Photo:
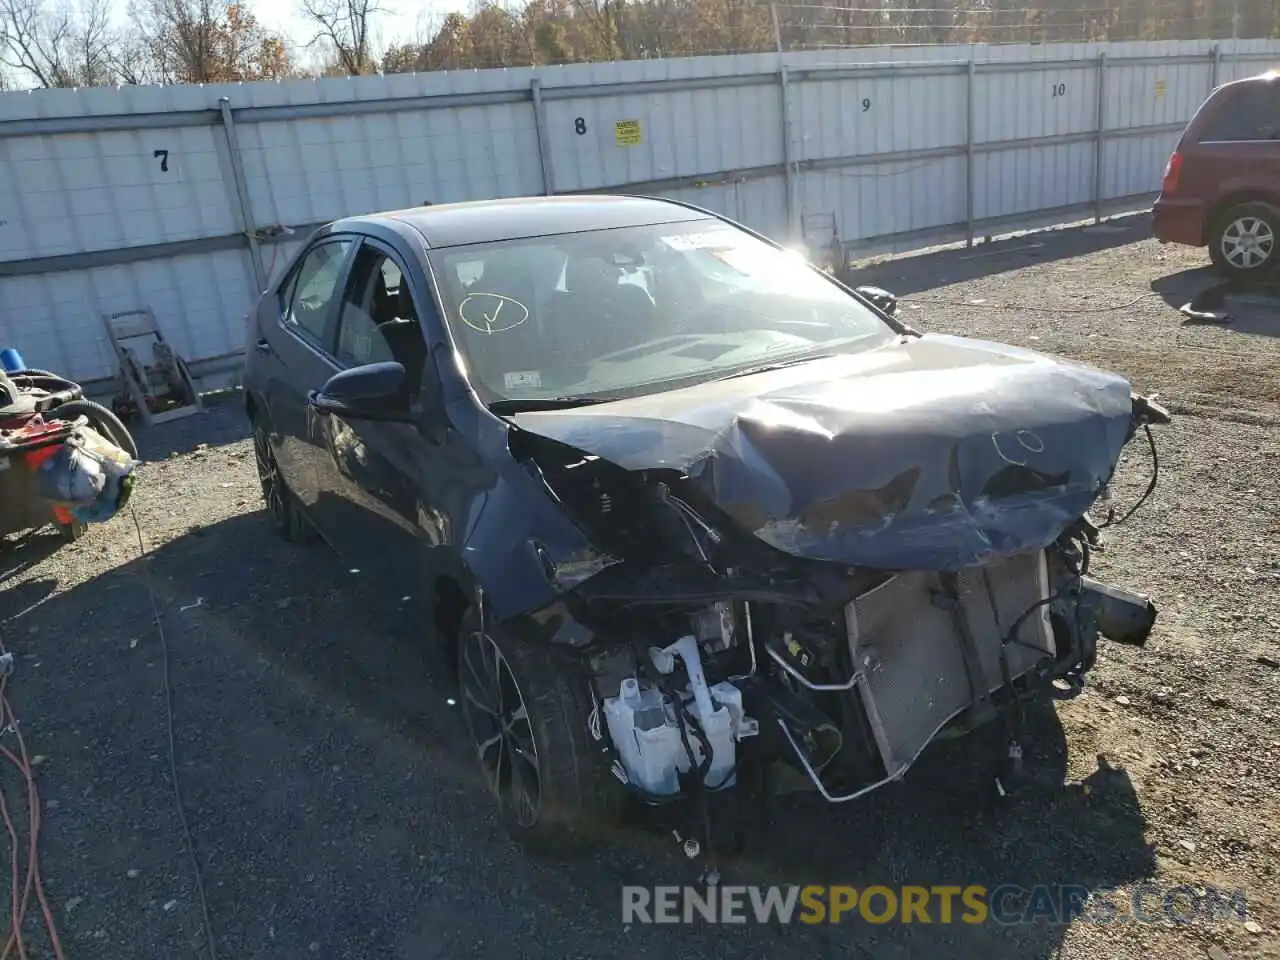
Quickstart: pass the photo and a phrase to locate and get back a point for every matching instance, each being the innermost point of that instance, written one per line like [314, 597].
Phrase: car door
[1242, 137]
[370, 506]
[295, 331]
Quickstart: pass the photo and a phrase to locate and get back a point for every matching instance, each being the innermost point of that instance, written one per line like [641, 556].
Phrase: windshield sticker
[522, 380]
[743, 261]
[491, 313]
[715, 239]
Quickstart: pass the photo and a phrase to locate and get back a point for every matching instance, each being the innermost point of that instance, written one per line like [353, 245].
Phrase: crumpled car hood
[934, 453]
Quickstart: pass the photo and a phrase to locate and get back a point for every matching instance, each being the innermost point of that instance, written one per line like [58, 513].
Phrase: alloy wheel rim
[1248, 242]
[269, 477]
[501, 731]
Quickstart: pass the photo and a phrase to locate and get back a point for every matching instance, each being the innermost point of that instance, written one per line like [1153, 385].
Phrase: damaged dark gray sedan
[690, 512]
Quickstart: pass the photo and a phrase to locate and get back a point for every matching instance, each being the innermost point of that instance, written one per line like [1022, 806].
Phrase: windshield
[633, 310]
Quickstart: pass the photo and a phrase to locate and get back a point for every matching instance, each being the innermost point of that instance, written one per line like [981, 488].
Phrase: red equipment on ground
[39, 413]
[25, 443]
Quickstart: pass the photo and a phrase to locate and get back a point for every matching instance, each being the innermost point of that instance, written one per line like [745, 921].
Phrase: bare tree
[179, 35]
[133, 62]
[59, 47]
[344, 26]
[207, 41]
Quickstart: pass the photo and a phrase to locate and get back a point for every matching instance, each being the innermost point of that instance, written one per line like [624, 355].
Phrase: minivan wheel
[526, 712]
[1245, 239]
[283, 510]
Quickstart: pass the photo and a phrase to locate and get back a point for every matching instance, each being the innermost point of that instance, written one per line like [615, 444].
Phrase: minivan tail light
[1171, 171]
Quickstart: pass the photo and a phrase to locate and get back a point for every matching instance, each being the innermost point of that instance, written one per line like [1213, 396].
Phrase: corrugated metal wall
[185, 199]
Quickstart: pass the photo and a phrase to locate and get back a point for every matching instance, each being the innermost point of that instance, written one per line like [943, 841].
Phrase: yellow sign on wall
[627, 133]
[1160, 88]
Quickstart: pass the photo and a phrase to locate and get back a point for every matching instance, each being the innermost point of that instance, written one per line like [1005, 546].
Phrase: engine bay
[720, 665]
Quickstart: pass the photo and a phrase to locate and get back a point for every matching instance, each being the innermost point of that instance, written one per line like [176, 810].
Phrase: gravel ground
[334, 806]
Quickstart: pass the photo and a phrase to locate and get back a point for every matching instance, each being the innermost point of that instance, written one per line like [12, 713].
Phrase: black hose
[101, 419]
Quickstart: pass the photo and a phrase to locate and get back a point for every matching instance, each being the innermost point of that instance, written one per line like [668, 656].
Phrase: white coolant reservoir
[646, 732]
[648, 743]
[718, 716]
[686, 648]
[717, 724]
[725, 694]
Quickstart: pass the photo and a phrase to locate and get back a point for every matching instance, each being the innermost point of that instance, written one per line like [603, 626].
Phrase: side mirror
[882, 300]
[374, 391]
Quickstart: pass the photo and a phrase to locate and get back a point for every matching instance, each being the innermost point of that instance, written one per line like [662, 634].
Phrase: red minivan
[1221, 186]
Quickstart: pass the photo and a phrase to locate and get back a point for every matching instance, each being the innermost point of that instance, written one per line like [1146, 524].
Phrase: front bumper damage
[818, 577]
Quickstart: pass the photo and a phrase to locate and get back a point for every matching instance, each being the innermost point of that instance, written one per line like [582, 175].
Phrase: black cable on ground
[173, 751]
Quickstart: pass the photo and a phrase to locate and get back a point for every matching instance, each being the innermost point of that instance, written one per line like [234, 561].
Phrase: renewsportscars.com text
[937, 904]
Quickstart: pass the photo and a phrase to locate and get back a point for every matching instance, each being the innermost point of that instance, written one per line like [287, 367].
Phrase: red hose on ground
[15, 915]
[9, 723]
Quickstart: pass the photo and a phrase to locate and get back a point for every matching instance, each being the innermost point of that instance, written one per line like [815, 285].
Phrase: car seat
[596, 314]
[404, 335]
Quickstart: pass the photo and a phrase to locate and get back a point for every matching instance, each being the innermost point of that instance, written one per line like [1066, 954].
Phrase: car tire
[526, 711]
[284, 511]
[1244, 240]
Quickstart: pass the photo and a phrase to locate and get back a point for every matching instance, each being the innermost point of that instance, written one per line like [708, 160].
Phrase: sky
[399, 21]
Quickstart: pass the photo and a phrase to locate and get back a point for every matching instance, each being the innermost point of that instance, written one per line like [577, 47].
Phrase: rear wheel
[283, 510]
[526, 712]
[1244, 241]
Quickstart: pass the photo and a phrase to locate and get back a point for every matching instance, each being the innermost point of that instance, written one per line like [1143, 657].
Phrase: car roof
[515, 218]
[1271, 76]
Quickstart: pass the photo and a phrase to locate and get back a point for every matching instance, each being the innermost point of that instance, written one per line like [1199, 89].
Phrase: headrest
[404, 301]
[589, 274]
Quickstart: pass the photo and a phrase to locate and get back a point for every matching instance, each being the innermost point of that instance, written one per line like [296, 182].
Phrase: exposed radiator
[911, 654]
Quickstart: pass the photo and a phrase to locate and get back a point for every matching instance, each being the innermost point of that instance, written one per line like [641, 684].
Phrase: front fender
[519, 544]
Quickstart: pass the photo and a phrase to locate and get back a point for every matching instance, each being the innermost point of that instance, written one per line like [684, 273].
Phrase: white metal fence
[185, 199]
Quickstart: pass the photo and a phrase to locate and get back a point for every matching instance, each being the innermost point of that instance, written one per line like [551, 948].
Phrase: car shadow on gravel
[17, 553]
[337, 811]
[906, 275]
[1204, 296]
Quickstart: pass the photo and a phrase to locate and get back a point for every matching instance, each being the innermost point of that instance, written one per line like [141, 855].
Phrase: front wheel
[527, 712]
[1244, 241]
[283, 509]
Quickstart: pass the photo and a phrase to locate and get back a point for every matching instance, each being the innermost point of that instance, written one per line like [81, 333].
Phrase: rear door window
[1252, 112]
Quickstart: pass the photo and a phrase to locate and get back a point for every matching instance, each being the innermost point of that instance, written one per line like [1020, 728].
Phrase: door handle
[262, 346]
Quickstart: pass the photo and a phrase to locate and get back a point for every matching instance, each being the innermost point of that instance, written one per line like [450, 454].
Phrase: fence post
[242, 193]
[540, 128]
[788, 156]
[970, 171]
[1215, 66]
[1099, 137]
